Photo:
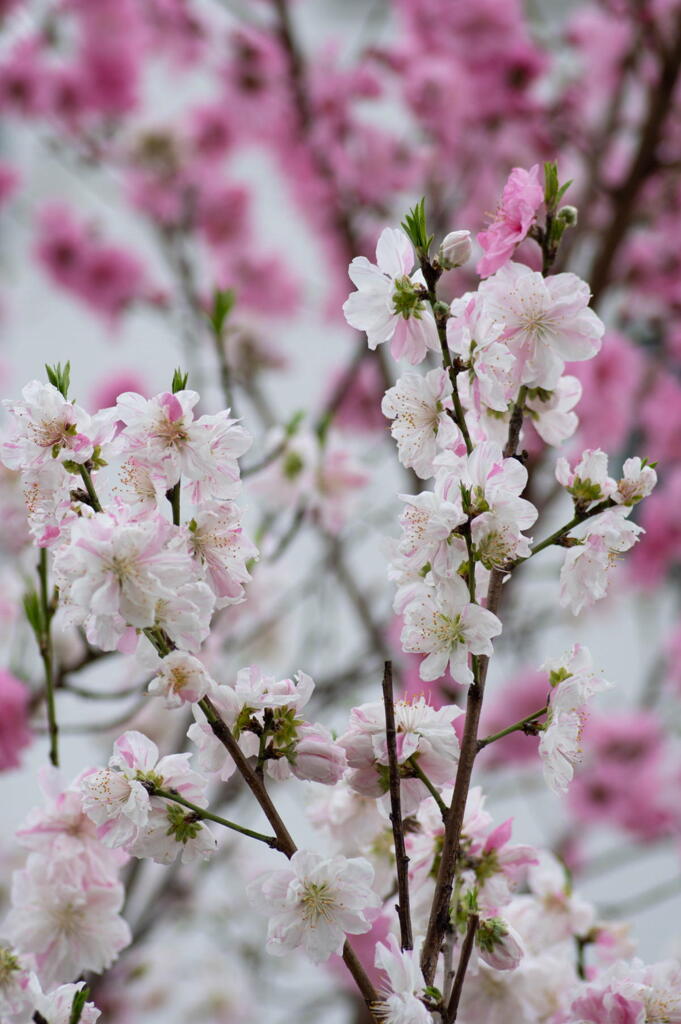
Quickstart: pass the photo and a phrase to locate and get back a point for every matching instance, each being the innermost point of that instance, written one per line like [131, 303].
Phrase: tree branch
[401, 858]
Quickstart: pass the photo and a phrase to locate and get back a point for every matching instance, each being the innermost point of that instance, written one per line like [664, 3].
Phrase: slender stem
[516, 727]
[401, 858]
[420, 774]
[90, 488]
[439, 913]
[202, 813]
[285, 843]
[558, 535]
[45, 645]
[464, 958]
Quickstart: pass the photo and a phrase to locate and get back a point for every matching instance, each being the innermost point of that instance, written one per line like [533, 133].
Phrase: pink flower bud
[317, 757]
[499, 945]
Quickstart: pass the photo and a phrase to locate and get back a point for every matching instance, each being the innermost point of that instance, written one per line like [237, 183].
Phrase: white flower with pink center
[423, 733]
[390, 303]
[115, 570]
[315, 903]
[485, 481]
[46, 426]
[421, 424]
[447, 627]
[547, 321]
[473, 334]
[218, 541]
[118, 798]
[584, 576]
[161, 433]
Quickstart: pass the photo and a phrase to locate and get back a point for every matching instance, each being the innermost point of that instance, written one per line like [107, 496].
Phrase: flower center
[317, 901]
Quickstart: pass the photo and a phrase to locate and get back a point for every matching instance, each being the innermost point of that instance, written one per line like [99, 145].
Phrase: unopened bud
[455, 250]
[568, 215]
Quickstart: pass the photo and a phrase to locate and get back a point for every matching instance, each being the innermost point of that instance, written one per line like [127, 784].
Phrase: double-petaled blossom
[588, 480]
[61, 830]
[584, 576]
[473, 335]
[424, 735]
[630, 993]
[522, 196]
[161, 433]
[485, 481]
[314, 903]
[419, 407]
[547, 321]
[180, 679]
[46, 426]
[444, 625]
[390, 302]
[218, 541]
[117, 574]
[67, 925]
[573, 682]
[120, 800]
[400, 996]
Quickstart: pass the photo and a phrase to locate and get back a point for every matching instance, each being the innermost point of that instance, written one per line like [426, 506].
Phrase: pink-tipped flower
[522, 196]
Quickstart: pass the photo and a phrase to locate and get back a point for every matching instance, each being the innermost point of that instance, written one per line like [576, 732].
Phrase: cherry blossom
[587, 565]
[181, 679]
[446, 627]
[522, 196]
[546, 321]
[419, 408]
[315, 903]
[389, 303]
[400, 1002]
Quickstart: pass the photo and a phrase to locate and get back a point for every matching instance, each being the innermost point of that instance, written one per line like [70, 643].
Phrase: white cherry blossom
[418, 406]
[389, 303]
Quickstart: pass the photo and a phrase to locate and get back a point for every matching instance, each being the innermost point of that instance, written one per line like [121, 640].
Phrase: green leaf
[179, 380]
[79, 1001]
[34, 612]
[414, 227]
[223, 304]
[59, 377]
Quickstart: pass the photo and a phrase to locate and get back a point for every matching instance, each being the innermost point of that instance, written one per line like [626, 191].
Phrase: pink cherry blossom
[15, 734]
[522, 196]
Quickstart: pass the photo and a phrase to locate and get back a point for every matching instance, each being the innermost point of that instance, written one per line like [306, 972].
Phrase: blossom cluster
[135, 515]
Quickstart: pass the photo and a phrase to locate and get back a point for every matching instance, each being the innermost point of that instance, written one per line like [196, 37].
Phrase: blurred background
[153, 151]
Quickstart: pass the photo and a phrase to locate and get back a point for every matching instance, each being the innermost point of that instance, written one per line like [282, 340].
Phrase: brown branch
[401, 858]
[439, 913]
[464, 958]
[284, 841]
[642, 166]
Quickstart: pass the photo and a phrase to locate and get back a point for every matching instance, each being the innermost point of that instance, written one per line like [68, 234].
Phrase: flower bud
[499, 945]
[568, 215]
[317, 757]
[455, 250]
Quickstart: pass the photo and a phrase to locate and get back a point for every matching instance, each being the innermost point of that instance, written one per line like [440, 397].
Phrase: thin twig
[464, 958]
[516, 727]
[401, 858]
